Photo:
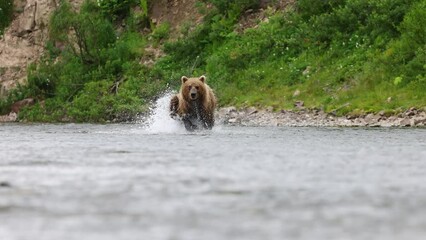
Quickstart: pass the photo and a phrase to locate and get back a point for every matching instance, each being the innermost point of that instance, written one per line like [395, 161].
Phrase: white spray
[159, 120]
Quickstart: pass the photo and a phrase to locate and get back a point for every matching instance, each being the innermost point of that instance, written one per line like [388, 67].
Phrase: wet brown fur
[182, 105]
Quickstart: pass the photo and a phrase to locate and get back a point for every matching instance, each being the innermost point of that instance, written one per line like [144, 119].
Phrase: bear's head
[193, 89]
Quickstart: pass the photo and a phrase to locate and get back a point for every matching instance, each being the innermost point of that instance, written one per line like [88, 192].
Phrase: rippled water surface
[126, 182]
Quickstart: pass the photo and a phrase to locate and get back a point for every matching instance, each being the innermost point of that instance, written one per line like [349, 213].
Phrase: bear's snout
[193, 94]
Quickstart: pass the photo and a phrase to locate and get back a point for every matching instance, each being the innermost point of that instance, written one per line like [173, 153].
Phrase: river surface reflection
[122, 181]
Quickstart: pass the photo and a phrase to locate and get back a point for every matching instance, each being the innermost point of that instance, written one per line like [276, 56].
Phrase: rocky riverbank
[304, 118]
[11, 117]
[301, 118]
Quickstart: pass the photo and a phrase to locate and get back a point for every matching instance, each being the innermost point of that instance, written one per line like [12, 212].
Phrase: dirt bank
[24, 40]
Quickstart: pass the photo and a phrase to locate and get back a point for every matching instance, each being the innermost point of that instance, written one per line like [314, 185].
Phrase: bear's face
[193, 89]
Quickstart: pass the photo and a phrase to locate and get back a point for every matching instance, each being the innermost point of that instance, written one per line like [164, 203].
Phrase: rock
[405, 122]
[351, 116]
[389, 99]
[360, 122]
[296, 93]
[252, 110]
[377, 124]
[299, 104]
[419, 122]
[411, 112]
[306, 71]
[12, 117]
[233, 120]
[4, 184]
[227, 110]
[17, 106]
[315, 117]
[28, 22]
[372, 119]
[391, 121]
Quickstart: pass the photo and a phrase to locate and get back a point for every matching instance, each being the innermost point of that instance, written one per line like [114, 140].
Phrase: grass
[345, 72]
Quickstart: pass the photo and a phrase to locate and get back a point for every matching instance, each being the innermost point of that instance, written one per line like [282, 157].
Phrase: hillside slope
[24, 40]
[341, 57]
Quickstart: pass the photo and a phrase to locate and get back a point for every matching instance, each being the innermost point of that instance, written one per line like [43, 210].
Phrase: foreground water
[128, 182]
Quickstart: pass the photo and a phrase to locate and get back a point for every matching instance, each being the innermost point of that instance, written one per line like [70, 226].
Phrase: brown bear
[194, 104]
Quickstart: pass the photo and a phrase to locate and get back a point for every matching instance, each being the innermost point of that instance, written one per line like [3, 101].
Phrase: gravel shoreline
[305, 118]
[315, 118]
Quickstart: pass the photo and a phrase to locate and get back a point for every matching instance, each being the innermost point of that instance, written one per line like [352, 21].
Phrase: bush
[229, 7]
[308, 8]
[161, 32]
[373, 22]
[412, 27]
[96, 78]
[408, 53]
[6, 14]
[116, 8]
[92, 32]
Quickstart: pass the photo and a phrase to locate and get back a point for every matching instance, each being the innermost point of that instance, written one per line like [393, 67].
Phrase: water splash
[159, 120]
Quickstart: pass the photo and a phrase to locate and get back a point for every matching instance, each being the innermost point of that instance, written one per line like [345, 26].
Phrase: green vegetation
[6, 13]
[342, 56]
[92, 74]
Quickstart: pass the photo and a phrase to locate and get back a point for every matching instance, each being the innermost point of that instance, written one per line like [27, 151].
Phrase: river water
[132, 181]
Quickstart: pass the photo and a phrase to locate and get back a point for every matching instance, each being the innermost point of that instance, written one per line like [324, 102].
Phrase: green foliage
[91, 31]
[139, 20]
[161, 32]
[6, 14]
[406, 55]
[372, 22]
[397, 81]
[96, 77]
[230, 7]
[341, 56]
[309, 8]
[144, 6]
[117, 8]
[412, 27]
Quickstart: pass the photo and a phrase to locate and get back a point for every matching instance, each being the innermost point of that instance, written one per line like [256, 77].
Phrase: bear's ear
[184, 79]
[203, 79]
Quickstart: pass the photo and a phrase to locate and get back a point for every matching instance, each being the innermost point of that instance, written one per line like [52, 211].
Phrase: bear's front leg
[188, 124]
[174, 104]
[208, 121]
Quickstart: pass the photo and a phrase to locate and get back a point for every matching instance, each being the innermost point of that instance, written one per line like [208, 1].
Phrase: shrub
[91, 31]
[229, 7]
[6, 14]
[308, 8]
[97, 78]
[161, 32]
[116, 8]
[375, 22]
[412, 27]
[408, 53]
